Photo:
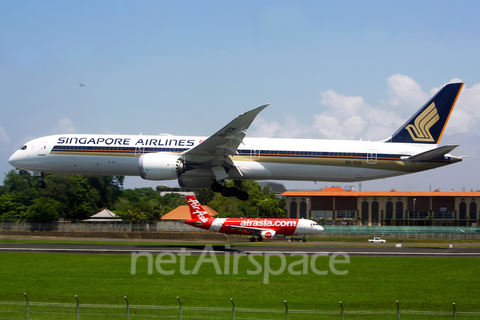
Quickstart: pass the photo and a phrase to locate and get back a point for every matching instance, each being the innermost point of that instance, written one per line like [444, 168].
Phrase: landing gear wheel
[229, 192]
[252, 239]
[224, 191]
[242, 195]
[260, 239]
[233, 192]
[41, 184]
[216, 187]
[303, 240]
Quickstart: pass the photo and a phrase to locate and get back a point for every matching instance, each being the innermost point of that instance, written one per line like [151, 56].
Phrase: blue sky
[340, 70]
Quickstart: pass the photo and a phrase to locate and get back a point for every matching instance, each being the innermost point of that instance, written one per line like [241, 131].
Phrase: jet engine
[268, 234]
[195, 183]
[160, 166]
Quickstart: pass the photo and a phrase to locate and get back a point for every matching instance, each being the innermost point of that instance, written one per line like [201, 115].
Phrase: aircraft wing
[432, 154]
[224, 143]
[249, 228]
[252, 229]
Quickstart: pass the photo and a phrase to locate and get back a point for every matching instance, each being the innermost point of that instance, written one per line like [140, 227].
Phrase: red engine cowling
[268, 234]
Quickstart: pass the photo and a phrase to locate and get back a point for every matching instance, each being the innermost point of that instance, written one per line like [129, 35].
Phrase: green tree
[12, 205]
[44, 209]
[204, 195]
[146, 203]
[260, 203]
[109, 189]
[83, 201]
[80, 195]
[134, 195]
[19, 181]
[18, 194]
[171, 201]
[133, 214]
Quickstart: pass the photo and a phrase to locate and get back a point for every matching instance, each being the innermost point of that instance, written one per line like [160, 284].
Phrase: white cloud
[460, 121]
[350, 117]
[4, 138]
[328, 126]
[435, 90]
[354, 126]
[64, 125]
[405, 92]
[466, 114]
[341, 104]
[266, 129]
[292, 128]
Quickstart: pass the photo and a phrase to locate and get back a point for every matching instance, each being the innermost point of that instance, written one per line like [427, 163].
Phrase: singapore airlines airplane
[260, 227]
[203, 162]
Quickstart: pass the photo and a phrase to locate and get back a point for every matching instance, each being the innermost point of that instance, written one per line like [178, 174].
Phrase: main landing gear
[300, 239]
[253, 239]
[230, 191]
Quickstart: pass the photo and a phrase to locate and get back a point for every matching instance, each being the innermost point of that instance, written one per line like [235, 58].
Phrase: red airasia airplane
[260, 227]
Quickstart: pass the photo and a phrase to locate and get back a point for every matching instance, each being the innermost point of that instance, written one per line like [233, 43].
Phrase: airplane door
[42, 148]
[372, 156]
[255, 153]
[139, 151]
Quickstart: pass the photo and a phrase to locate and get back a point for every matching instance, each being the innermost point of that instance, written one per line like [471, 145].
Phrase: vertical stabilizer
[428, 124]
[197, 212]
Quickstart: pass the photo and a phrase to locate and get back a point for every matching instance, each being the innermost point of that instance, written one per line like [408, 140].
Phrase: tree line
[80, 196]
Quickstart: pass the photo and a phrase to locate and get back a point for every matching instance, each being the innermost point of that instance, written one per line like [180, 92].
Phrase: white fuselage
[255, 159]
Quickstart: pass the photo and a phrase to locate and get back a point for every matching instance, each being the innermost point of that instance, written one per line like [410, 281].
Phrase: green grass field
[312, 241]
[372, 283]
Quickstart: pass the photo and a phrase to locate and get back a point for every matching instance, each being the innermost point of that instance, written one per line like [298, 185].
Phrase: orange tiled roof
[339, 192]
[183, 213]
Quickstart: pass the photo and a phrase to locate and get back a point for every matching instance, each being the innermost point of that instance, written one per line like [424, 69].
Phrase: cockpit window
[24, 147]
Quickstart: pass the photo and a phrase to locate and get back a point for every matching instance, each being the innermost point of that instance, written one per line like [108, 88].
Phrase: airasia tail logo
[201, 215]
[197, 210]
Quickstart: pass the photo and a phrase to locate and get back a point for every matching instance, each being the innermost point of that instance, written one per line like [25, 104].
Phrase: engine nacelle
[268, 234]
[195, 183]
[160, 166]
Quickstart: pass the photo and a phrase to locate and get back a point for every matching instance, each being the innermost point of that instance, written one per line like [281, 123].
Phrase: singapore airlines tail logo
[425, 120]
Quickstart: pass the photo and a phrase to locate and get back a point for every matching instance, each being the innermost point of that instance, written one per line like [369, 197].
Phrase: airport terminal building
[336, 206]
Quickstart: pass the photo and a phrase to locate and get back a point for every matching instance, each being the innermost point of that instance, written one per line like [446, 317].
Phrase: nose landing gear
[41, 184]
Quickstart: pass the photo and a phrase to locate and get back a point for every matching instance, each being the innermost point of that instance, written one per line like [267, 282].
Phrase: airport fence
[76, 310]
[403, 232]
[107, 226]
[407, 232]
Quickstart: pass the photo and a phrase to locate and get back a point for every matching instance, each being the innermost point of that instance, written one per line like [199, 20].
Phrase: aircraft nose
[12, 159]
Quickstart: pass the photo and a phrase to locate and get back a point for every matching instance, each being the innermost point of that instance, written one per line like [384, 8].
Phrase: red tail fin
[196, 210]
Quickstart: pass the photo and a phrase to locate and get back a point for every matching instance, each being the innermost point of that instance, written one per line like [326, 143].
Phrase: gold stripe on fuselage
[381, 163]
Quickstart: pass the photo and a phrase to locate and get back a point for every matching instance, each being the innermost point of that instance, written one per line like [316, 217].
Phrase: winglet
[428, 124]
[226, 141]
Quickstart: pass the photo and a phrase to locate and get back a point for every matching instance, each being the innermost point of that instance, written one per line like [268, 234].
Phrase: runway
[442, 250]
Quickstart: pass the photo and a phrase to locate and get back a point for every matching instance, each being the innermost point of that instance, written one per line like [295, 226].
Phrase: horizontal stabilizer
[432, 154]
